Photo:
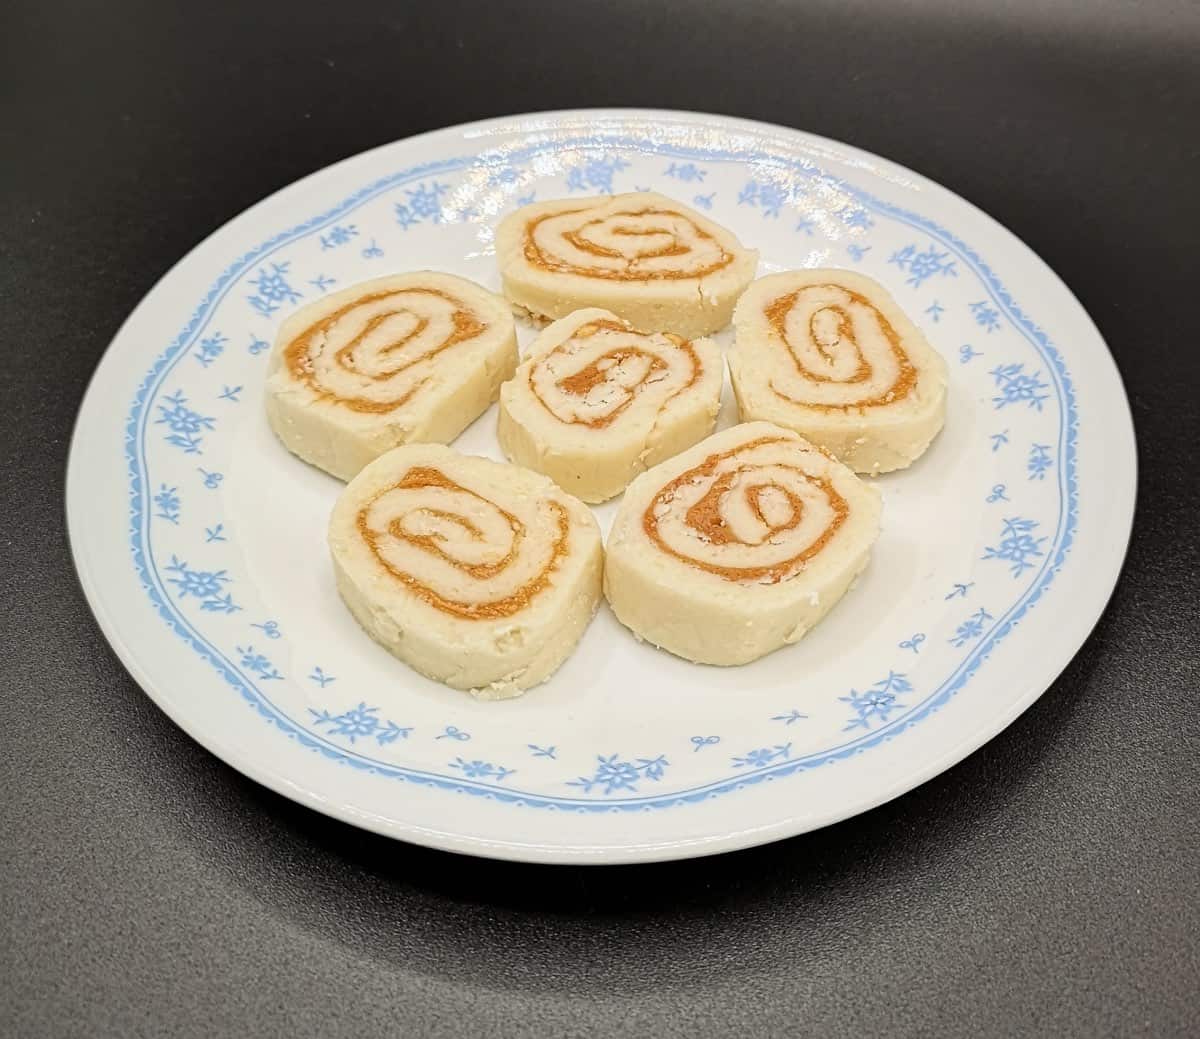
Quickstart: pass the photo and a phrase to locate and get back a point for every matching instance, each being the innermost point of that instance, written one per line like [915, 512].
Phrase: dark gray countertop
[1049, 885]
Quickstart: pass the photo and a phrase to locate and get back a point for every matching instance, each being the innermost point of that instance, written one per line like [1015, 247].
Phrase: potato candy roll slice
[475, 573]
[829, 354]
[645, 257]
[739, 545]
[595, 403]
[403, 359]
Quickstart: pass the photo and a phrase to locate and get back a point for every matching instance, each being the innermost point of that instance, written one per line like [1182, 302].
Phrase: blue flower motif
[970, 629]
[857, 252]
[763, 756]
[424, 203]
[704, 201]
[923, 265]
[361, 722]
[595, 174]
[167, 500]
[542, 752]
[210, 349]
[230, 393]
[321, 678]
[273, 289]
[321, 282]
[1017, 545]
[372, 251]
[769, 198]
[857, 218]
[997, 440]
[685, 171]
[878, 702]
[1016, 387]
[205, 585]
[257, 663]
[935, 311]
[482, 769]
[1039, 461]
[614, 773]
[986, 316]
[184, 423]
[337, 235]
[257, 346]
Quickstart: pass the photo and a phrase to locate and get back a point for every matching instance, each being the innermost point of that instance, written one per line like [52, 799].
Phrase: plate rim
[711, 844]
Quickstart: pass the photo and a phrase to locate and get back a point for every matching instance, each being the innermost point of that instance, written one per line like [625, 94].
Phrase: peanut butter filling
[582, 382]
[580, 239]
[298, 353]
[906, 378]
[421, 477]
[775, 505]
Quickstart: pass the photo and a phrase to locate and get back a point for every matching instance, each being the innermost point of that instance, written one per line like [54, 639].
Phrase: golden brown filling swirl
[593, 377]
[459, 551]
[375, 352]
[754, 513]
[643, 244]
[843, 352]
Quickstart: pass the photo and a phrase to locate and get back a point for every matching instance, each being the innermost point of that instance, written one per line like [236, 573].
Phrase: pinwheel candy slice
[595, 403]
[649, 259]
[829, 354]
[475, 573]
[408, 358]
[739, 545]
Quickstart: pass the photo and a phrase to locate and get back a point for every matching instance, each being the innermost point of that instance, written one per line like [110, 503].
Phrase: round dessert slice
[739, 545]
[595, 403]
[474, 573]
[829, 354]
[411, 358]
[649, 259]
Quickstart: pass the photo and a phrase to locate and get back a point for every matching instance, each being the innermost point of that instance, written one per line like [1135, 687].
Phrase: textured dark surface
[1049, 885]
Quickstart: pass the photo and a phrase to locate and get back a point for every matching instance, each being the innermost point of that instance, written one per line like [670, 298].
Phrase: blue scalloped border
[254, 697]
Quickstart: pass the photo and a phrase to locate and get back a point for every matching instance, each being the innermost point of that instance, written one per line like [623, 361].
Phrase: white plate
[200, 541]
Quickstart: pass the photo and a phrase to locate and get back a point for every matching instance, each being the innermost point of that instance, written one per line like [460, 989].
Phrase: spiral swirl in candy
[408, 358]
[645, 242]
[738, 545]
[592, 378]
[844, 352]
[751, 513]
[829, 354]
[373, 353]
[459, 551]
[478, 574]
[595, 402]
[646, 258]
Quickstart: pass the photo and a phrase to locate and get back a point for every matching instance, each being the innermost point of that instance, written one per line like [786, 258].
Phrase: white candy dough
[647, 258]
[829, 354]
[410, 358]
[474, 573]
[594, 403]
[738, 545]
